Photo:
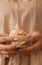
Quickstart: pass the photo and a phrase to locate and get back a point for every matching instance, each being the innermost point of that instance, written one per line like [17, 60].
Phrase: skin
[34, 37]
[7, 49]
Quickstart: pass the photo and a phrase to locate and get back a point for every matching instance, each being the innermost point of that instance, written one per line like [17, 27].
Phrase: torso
[24, 15]
[13, 13]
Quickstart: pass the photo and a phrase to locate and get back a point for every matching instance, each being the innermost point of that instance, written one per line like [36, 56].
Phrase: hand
[36, 39]
[7, 49]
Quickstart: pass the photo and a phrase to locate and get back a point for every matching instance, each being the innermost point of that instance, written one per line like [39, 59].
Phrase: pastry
[18, 36]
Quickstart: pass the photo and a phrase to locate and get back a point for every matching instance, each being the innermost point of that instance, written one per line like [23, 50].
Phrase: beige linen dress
[28, 16]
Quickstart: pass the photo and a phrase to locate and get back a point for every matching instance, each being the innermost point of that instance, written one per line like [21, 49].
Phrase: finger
[9, 38]
[2, 35]
[12, 52]
[6, 38]
[34, 47]
[36, 36]
[3, 52]
[7, 47]
[2, 39]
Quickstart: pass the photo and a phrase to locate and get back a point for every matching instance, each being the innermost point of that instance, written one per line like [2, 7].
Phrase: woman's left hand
[35, 38]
